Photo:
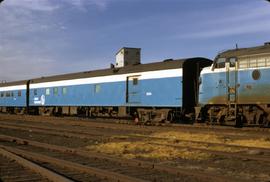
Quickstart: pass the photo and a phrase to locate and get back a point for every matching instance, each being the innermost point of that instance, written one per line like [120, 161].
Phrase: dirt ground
[235, 153]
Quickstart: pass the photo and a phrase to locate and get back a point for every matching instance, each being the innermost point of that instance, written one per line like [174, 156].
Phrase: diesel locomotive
[236, 87]
[231, 89]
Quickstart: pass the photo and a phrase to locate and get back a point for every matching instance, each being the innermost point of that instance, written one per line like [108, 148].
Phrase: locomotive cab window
[220, 63]
[232, 62]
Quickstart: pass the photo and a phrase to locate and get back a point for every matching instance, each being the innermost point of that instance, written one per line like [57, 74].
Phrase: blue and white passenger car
[155, 91]
[13, 96]
[130, 89]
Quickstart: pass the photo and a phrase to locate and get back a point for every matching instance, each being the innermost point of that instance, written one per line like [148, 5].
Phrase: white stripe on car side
[208, 70]
[112, 78]
[11, 88]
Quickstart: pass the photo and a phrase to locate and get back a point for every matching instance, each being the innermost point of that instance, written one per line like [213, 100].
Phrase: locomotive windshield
[220, 63]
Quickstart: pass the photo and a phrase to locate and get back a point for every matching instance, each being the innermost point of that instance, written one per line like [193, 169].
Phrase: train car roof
[6, 84]
[166, 64]
[246, 51]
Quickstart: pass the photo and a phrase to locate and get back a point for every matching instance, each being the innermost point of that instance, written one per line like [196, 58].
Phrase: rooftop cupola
[128, 56]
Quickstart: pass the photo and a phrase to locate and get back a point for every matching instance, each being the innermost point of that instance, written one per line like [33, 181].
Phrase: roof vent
[166, 60]
[267, 43]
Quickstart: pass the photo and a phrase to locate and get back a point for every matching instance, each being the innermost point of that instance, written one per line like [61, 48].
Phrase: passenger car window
[7, 94]
[55, 91]
[35, 91]
[2, 94]
[97, 88]
[19, 93]
[135, 81]
[47, 91]
[64, 90]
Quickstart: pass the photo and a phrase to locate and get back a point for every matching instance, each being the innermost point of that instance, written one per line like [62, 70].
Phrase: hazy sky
[48, 37]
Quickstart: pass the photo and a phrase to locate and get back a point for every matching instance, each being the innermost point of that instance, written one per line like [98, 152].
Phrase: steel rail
[32, 166]
[204, 176]
[112, 176]
[84, 135]
[89, 122]
[49, 131]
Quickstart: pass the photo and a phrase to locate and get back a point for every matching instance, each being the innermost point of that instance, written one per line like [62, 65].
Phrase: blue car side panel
[213, 88]
[15, 101]
[254, 91]
[162, 92]
[82, 95]
[153, 92]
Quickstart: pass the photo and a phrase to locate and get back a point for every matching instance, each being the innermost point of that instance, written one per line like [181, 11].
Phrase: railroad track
[241, 154]
[111, 123]
[105, 137]
[72, 131]
[263, 159]
[72, 170]
[98, 165]
[16, 168]
[82, 133]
